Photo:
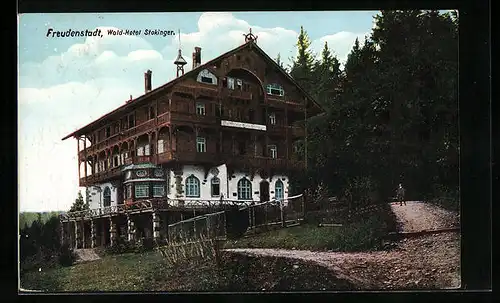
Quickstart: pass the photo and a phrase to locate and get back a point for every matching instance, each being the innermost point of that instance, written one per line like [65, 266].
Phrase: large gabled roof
[208, 64]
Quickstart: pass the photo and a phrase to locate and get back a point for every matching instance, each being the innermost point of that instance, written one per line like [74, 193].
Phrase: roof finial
[250, 37]
[179, 39]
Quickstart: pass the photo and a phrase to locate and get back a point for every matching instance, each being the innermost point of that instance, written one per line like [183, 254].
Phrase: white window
[160, 146]
[230, 83]
[239, 84]
[142, 190]
[192, 187]
[272, 118]
[215, 187]
[275, 89]
[200, 145]
[158, 190]
[278, 189]
[168, 182]
[244, 189]
[140, 151]
[273, 151]
[129, 192]
[147, 150]
[200, 109]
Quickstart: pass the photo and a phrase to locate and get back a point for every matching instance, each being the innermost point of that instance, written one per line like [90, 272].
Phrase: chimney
[196, 57]
[147, 81]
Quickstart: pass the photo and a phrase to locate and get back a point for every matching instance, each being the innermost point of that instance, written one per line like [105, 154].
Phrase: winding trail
[431, 261]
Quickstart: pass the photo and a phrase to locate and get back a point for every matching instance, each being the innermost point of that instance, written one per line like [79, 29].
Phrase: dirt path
[419, 216]
[86, 254]
[430, 261]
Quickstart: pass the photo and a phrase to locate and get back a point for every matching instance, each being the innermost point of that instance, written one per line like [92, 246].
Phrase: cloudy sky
[65, 83]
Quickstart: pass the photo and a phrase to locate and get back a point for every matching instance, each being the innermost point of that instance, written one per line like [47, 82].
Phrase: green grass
[149, 272]
[127, 272]
[364, 233]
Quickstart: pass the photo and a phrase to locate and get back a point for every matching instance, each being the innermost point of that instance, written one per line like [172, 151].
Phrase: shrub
[67, 256]
[237, 222]
[446, 197]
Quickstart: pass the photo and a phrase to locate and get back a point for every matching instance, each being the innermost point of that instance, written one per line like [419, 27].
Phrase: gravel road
[428, 262]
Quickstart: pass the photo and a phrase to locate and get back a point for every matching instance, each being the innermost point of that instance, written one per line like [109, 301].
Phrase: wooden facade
[239, 109]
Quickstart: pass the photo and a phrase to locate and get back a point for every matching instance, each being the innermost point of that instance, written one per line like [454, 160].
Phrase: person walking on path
[400, 195]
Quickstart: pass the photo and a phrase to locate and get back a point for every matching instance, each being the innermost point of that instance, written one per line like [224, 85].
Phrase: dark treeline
[391, 110]
[39, 238]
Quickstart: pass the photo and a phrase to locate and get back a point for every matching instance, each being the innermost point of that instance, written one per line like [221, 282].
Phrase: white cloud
[67, 91]
[341, 43]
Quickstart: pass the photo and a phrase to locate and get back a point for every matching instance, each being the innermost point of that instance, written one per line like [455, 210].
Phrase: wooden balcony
[113, 173]
[236, 94]
[127, 208]
[192, 118]
[295, 131]
[196, 90]
[207, 91]
[186, 157]
[262, 162]
[282, 102]
[164, 118]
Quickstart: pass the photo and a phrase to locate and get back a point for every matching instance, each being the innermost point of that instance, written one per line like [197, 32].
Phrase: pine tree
[79, 203]
[278, 60]
[303, 63]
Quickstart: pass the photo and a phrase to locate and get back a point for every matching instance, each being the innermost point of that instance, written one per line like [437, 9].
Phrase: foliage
[67, 256]
[27, 218]
[391, 112]
[79, 203]
[39, 244]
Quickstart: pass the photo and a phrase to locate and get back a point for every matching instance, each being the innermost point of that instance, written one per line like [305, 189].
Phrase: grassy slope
[364, 233]
[148, 272]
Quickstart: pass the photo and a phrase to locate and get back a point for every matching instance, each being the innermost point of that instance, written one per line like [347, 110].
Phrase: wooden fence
[280, 213]
[209, 226]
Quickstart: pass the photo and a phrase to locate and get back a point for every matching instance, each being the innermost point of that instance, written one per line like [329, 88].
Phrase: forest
[391, 111]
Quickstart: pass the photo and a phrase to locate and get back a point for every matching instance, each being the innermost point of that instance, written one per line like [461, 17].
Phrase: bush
[361, 191]
[237, 222]
[67, 256]
[446, 197]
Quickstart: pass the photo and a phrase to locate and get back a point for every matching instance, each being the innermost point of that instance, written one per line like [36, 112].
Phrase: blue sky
[65, 83]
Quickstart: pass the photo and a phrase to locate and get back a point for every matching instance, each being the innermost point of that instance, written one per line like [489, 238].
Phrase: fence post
[304, 205]
[282, 214]
[217, 252]
[253, 220]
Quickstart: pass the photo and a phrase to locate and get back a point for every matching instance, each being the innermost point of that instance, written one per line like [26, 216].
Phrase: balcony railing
[187, 117]
[296, 131]
[234, 93]
[114, 172]
[138, 206]
[163, 118]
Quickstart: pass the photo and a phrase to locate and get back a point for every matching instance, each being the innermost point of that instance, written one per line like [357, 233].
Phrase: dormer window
[239, 84]
[205, 76]
[275, 89]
